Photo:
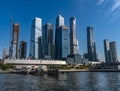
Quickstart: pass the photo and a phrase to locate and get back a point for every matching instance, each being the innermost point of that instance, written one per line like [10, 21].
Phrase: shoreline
[74, 70]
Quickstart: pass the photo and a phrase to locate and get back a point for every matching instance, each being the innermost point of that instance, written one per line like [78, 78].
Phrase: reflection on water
[81, 81]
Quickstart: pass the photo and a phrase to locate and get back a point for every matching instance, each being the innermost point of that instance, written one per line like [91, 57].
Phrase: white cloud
[100, 2]
[115, 6]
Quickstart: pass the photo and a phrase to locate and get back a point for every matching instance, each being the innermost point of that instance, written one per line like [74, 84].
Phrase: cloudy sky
[103, 15]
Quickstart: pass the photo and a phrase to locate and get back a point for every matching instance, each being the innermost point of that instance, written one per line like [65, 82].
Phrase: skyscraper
[15, 40]
[107, 50]
[59, 21]
[40, 47]
[36, 32]
[47, 41]
[74, 48]
[23, 49]
[62, 42]
[113, 52]
[91, 48]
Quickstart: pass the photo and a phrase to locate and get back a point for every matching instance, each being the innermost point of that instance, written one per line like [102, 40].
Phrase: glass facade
[23, 49]
[62, 42]
[92, 56]
[36, 32]
[74, 47]
[47, 41]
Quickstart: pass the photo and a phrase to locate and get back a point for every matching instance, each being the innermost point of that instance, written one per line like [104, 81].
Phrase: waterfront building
[15, 40]
[107, 50]
[62, 43]
[91, 48]
[113, 52]
[48, 49]
[36, 32]
[74, 47]
[23, 49]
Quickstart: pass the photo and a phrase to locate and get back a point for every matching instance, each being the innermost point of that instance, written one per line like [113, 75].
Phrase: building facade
[59, 21]
[91, 48]
[48, 49]
[62, 43]
[113, 52]
[107, 51]
[15, 40]
[74, 47]
[110, 50]
[23, 49]
[36, 32]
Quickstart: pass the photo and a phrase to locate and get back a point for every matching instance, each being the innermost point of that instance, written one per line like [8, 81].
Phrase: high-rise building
[59, 21]
[36, 32]
[91, 48]
[74, 48]
[113, 52]
[107, 50]
[15, 40]
[62, 42]
[40, 47]
[110, 51]
[47, 41]
[23, 49]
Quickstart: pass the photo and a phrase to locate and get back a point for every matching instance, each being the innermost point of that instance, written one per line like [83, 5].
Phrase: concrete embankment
[104, 70]
[74, 70]
[4, 72]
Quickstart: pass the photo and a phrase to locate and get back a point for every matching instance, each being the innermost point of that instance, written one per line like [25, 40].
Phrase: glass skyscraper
[59, 21]
[23, 49]
[36, 32]
[15, 40]
[48, 48]
[110, 51]
[62, 43]
[91, 48]
[107, 50]
[113, 52]
[74, 47]
[61, 39]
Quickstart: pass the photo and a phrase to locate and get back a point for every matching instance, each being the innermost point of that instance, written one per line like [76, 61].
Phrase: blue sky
[103, 15]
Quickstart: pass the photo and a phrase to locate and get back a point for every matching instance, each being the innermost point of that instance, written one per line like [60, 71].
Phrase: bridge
[33, 62]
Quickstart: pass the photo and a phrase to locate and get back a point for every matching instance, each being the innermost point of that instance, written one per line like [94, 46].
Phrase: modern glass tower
[107, 50]
[74, 48]
[91, 48]
[59, 21]
[47, 41]
[23, 49]
[113, 52]
[15, 40]
[62, 42]
[36, 32]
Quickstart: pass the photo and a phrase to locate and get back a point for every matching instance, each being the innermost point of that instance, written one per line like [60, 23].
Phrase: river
[74, 81]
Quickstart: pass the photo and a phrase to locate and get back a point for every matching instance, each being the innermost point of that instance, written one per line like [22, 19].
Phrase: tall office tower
[92, 56]
[113, 52]
[74, 48]
[40, 47]
[15, 40]
[23, 49]
[36, 32]
[107, 51]
[62, 42]
[59, 21]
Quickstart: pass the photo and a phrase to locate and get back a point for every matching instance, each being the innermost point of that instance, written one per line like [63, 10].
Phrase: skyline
[100, 14]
